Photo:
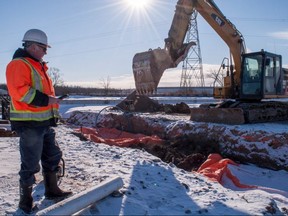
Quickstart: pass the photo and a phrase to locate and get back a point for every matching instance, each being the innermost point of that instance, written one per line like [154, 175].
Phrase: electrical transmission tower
[192, 69]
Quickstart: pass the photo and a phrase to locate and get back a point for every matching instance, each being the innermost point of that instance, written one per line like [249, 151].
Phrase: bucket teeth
[145, 91]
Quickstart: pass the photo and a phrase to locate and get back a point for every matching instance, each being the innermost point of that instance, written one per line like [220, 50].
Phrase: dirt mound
[139, 103]
[142, 103]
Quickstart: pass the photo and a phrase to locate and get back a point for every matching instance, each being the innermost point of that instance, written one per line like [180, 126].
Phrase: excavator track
[265, 111]
[231, 112]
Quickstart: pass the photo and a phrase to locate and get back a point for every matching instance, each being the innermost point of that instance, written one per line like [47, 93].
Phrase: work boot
[26, 199]
[52, 191]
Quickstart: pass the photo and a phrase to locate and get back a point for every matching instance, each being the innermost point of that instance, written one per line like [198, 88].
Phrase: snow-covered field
[151, 187]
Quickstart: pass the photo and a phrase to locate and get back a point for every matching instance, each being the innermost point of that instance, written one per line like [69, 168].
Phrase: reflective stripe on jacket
[25, 76]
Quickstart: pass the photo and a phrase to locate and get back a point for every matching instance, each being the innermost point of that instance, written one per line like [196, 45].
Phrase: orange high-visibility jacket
[25, 76]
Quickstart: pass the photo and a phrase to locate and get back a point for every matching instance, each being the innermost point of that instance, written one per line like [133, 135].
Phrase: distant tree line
[79, 90]
[90, 91]
[61, 88]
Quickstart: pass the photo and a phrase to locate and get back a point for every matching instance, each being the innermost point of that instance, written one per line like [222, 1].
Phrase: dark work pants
[37, 144]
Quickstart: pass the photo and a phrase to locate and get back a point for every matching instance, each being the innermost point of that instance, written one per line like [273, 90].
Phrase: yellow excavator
[251, 80]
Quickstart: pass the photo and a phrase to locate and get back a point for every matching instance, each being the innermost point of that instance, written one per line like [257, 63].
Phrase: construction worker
[33, 114]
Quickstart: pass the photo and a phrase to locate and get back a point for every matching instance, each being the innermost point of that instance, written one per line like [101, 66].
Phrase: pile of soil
[142, 103]
[139, 103]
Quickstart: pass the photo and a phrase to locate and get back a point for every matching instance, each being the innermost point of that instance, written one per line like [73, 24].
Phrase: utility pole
[192, 69]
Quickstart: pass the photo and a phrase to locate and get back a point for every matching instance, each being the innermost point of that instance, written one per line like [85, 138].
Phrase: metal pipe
[74, 204]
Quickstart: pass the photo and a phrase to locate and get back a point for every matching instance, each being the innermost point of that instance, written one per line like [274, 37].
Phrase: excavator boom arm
[226, 30]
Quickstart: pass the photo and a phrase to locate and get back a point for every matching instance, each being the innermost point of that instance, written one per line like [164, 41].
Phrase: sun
[138, 4]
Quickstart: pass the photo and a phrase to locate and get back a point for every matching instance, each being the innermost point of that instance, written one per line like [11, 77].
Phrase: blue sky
[94, 39]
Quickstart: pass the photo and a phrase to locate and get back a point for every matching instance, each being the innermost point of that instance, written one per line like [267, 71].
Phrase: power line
[247, 19]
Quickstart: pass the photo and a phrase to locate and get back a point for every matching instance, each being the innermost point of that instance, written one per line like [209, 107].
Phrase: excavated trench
[182, 152]
[187, 144]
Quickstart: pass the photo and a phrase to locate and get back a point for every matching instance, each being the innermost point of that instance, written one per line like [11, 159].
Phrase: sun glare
[138, 4]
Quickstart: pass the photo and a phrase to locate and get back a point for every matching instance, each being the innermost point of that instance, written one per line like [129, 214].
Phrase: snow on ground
[151, 187]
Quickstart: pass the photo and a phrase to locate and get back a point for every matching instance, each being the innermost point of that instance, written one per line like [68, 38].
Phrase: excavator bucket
[148, 68]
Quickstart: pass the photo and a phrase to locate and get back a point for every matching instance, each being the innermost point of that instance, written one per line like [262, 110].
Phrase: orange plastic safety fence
[112, 136]
[215, 167]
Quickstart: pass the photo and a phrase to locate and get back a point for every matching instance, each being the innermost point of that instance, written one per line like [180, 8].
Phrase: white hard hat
[36, 35]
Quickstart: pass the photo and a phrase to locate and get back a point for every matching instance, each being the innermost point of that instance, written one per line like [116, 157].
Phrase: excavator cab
[261, 76]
